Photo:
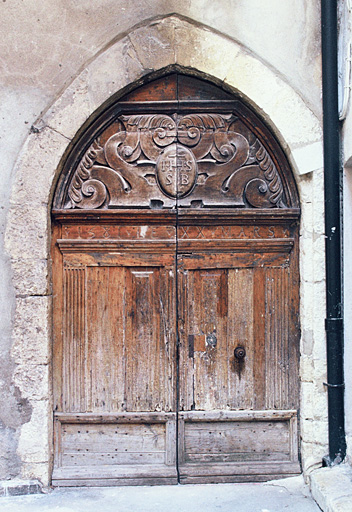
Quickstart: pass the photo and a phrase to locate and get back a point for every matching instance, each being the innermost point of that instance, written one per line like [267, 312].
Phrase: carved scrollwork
[83, 172]
[203, 159]
[260, 183]
[271, 175]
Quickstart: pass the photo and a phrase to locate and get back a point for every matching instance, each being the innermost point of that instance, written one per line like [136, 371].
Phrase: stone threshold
[332, 488]
[19, 487]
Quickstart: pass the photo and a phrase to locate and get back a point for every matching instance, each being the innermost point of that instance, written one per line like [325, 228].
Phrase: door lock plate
[211, 340]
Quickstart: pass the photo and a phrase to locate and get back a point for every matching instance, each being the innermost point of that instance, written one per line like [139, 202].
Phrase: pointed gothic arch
[28, 225]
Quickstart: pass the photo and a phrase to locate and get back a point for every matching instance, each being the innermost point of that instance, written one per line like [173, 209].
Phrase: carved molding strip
[249, 246]
[89, 246]
[158, 160]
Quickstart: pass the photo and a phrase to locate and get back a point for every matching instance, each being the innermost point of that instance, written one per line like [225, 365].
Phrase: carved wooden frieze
[160, 160]
[94, 231]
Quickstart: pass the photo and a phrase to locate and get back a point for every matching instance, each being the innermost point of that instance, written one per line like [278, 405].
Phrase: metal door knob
[240, 353]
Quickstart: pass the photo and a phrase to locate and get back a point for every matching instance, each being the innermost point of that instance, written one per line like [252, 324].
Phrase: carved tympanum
[198, 159]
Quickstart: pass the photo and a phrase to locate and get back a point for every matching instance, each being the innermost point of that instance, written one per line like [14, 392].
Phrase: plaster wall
[347, 306]
[345, 38]
[61, 61]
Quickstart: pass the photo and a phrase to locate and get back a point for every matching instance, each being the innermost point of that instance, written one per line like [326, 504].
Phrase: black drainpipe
[332, 176]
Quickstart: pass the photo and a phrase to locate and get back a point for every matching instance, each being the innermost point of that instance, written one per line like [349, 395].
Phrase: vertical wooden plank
[241, 312]
[149, 357]
[269, 341]
[294, 326]
[204, 369]
[66, 376]
[278, 327]
[181, 440]
[57, 443]
[187, 305]
[94, 326]
[73, 338]
[139, 328]
[284, 326]
[294, 439]
[79, 335]
[259, 298]
[105, 337]
[115, 381]
[215, 293]
[185, 316]
[170, 452]
[169, 326]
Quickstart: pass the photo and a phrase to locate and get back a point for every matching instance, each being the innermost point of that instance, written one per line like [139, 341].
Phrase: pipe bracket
[333, 324]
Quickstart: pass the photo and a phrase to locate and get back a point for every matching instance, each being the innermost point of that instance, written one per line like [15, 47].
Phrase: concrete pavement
[287, 495]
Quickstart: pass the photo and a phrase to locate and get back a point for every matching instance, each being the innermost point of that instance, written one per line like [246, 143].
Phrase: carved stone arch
[227, 156]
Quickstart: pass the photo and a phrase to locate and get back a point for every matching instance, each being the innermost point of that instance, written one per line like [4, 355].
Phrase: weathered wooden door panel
[235, 323]
[236, 441]
[115, 449]
[117, 318]
[236, 446]
[209, 376]
[118, 367]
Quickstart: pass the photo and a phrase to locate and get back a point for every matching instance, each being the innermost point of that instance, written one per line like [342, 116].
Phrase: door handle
[240, 352]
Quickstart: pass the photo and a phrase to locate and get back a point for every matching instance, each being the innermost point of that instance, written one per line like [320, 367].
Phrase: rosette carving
[202, 159]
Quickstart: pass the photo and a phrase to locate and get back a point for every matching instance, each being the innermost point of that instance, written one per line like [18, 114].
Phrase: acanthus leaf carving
[271, 175]
[81, 190]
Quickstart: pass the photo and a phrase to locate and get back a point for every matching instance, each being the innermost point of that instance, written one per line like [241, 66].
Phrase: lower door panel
[234, 446]
[115, 449]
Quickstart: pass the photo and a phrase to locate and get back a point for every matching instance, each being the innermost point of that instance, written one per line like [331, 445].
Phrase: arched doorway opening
[176, 294]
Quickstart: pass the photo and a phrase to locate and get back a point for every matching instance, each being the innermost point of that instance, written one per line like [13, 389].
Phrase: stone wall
[65, 60]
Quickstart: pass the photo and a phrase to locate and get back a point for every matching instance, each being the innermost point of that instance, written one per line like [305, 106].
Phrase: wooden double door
[175, 352]
[175, 322]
